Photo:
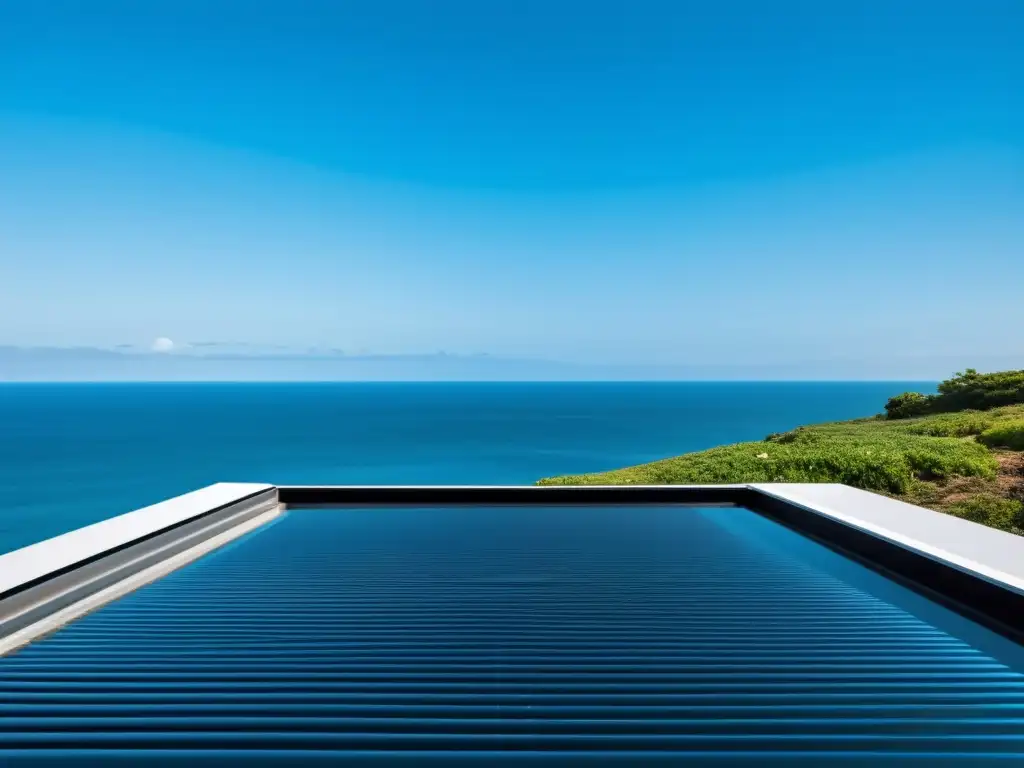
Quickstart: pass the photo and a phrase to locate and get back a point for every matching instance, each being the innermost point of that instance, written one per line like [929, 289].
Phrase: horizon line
[473, 381]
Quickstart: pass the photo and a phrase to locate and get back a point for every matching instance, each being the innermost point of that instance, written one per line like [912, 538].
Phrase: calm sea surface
[72, 454]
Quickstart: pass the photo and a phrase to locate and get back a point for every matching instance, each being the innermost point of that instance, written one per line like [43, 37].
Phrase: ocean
[74, 454]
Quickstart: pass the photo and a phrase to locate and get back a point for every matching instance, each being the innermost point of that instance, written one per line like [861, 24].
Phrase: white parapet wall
[45, 585]
[994, 555]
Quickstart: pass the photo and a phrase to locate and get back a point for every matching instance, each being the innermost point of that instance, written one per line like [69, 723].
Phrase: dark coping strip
[995, 607]
[300, 496]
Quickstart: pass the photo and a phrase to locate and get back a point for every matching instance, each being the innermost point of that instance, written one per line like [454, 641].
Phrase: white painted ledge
[996, 556]
[25, 565]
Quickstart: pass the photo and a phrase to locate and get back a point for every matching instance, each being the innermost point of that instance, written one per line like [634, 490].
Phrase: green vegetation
[992, 510]
[1006, 434]
[964, 424]
[908, 404]
[968, 462]
[871, 455]
[969, 390]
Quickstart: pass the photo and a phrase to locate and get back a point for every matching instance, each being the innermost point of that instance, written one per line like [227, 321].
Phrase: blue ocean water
[73, 454]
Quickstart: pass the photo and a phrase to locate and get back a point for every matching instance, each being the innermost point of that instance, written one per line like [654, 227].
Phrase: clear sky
[629, 183]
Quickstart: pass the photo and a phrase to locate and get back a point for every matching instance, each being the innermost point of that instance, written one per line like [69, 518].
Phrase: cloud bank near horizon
[221, 361]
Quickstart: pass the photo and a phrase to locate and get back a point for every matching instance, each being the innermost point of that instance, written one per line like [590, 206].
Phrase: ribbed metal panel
[538, 634]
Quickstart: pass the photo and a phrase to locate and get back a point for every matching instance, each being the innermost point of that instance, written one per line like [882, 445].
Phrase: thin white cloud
[162, 344]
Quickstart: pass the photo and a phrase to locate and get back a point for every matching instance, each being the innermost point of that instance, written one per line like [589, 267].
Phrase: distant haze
[85, 364]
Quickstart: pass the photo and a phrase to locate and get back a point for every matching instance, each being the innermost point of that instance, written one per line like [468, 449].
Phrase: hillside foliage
[968, 390]
[1004, 434]
[961, 462]
[991, 510]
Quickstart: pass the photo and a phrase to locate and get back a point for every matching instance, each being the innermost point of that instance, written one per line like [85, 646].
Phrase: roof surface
[640, 633]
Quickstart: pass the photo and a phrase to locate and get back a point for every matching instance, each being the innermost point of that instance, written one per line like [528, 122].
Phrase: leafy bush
[963, 424]
[907, 405]
[971, 389]
[989, 509]
[968, 390]
[1006, 434]
[784, 437]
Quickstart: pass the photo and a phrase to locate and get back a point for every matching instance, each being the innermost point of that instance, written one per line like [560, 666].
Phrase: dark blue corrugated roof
[631, 632]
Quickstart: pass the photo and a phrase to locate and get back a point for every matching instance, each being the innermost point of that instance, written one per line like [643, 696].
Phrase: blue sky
[820, 185]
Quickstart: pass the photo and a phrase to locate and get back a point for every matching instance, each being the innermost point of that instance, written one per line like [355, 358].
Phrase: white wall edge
[28, 564]
[988, 553]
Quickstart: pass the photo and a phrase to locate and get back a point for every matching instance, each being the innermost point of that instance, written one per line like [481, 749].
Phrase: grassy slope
[960, 463]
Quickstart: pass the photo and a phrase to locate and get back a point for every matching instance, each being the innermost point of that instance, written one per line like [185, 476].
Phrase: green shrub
[1006, 434]
[968, 390]
[784, 437]
[971, 389]
[907, 405]
[963, 424]
[991, 510]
